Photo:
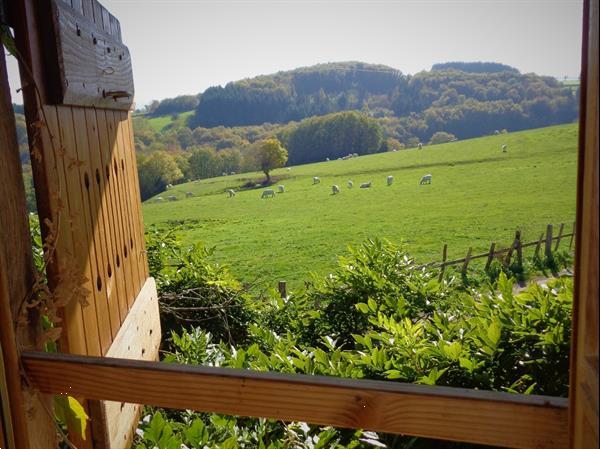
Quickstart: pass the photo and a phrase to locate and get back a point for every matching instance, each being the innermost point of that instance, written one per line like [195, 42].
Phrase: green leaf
[71, 413]
[362, 307]
[372, 304]
[494, 332]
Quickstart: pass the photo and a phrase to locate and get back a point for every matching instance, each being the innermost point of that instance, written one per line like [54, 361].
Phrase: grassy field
[161, 122]
[478, 194]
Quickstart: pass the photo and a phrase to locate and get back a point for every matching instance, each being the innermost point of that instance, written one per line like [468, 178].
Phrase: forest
[331, 110]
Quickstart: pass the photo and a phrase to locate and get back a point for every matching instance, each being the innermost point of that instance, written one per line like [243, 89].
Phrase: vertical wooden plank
[519, 248]
[282, 289]
[127, 206]
[80, 227]
[88, 10]
[572, 236]
[141, 250]
[73, 336]
[490, 256]
[583, 394]
[108, 156]
[104, 284]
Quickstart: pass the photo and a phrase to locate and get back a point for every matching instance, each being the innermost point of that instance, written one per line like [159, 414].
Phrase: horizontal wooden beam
[484, 417]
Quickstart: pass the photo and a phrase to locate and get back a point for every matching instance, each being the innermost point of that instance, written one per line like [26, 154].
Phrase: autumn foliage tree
[269, 154]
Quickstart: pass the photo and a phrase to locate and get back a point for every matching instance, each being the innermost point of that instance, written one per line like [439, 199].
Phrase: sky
[185, 46]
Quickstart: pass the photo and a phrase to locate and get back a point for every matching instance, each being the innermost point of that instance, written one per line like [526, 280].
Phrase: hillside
[478, 194]
[447, 90]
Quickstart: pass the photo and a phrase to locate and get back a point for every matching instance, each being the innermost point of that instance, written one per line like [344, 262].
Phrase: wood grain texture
[499, 419]
[16, 279]
[92, 61]
[584, 393]
[138, 339]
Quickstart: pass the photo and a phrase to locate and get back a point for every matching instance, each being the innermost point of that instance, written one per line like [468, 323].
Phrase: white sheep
[426, 179]
[326, 159]
[172, 198]
[169, 186]
[269, 193]
[289, 168]
[189, 194]
[350, 184]
[316, 180]
[335, 189]
[159, 199]
[496, 132]
[232, 173]
[224, 174]
[366, 185]
[281, 188]
[230, 192]
[504, 148]
[420, 145]
[390, 180]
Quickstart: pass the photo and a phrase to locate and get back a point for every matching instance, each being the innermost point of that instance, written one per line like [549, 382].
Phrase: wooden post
[32, 427]
[512, 248]
[583, 384]
[490, 256]
[519, 248]
[283, 289]
[548, 249]
[560, 233]
[572, 236]
[466, 262]
[443, 264]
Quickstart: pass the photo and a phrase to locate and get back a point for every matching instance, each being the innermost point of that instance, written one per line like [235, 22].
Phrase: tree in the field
[441, 137]
[156, 171]
[270, 154]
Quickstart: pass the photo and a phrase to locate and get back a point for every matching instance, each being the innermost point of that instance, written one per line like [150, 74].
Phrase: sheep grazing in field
[504, 148]
[169, 186]
[289, 169]
[231, 192]
[366, 185]
[269, 193]
[390, 180]
[354, 154]
[350, 184]
[316, 180]
[426, 179]
[335, 189]
[224, 174]
[232, 173]
[496, 132]
[326, 159]
[159, 199]
[172, 198]
[420, 146]
[189, 194]
[281, 188]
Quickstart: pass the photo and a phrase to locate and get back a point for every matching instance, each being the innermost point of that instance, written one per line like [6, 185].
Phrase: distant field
[160, 123]
[478, 194]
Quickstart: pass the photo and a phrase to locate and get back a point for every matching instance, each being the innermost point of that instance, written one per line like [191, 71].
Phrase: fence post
[512, 248]
[572, 237]
[466, 263]
[443, 264]
[282, 289]
[548, 250]
[538, 246]
[560, 233]
[490, 256]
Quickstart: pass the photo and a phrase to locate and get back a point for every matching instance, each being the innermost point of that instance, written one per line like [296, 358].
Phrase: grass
[478, 194]
[163, 122]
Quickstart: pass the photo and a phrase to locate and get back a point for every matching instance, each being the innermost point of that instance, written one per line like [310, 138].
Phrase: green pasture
[162, 122]
[478, 194]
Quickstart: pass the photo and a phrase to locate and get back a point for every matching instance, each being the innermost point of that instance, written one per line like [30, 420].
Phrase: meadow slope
[478, 194]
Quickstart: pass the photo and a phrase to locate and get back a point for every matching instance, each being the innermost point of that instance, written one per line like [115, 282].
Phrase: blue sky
[184, 46]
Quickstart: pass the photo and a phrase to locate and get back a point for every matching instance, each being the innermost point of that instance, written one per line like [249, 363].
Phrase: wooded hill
[465, 99]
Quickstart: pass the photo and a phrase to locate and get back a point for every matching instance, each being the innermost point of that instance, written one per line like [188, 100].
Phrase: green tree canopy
[156, 171]
[270, 154]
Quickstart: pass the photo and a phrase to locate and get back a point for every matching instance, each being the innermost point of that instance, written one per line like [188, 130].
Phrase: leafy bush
[376, 317]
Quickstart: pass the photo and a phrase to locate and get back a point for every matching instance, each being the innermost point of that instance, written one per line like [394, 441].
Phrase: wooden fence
[505, 254]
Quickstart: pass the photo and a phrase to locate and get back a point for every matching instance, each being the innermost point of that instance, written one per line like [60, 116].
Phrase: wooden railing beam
[484, 417]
